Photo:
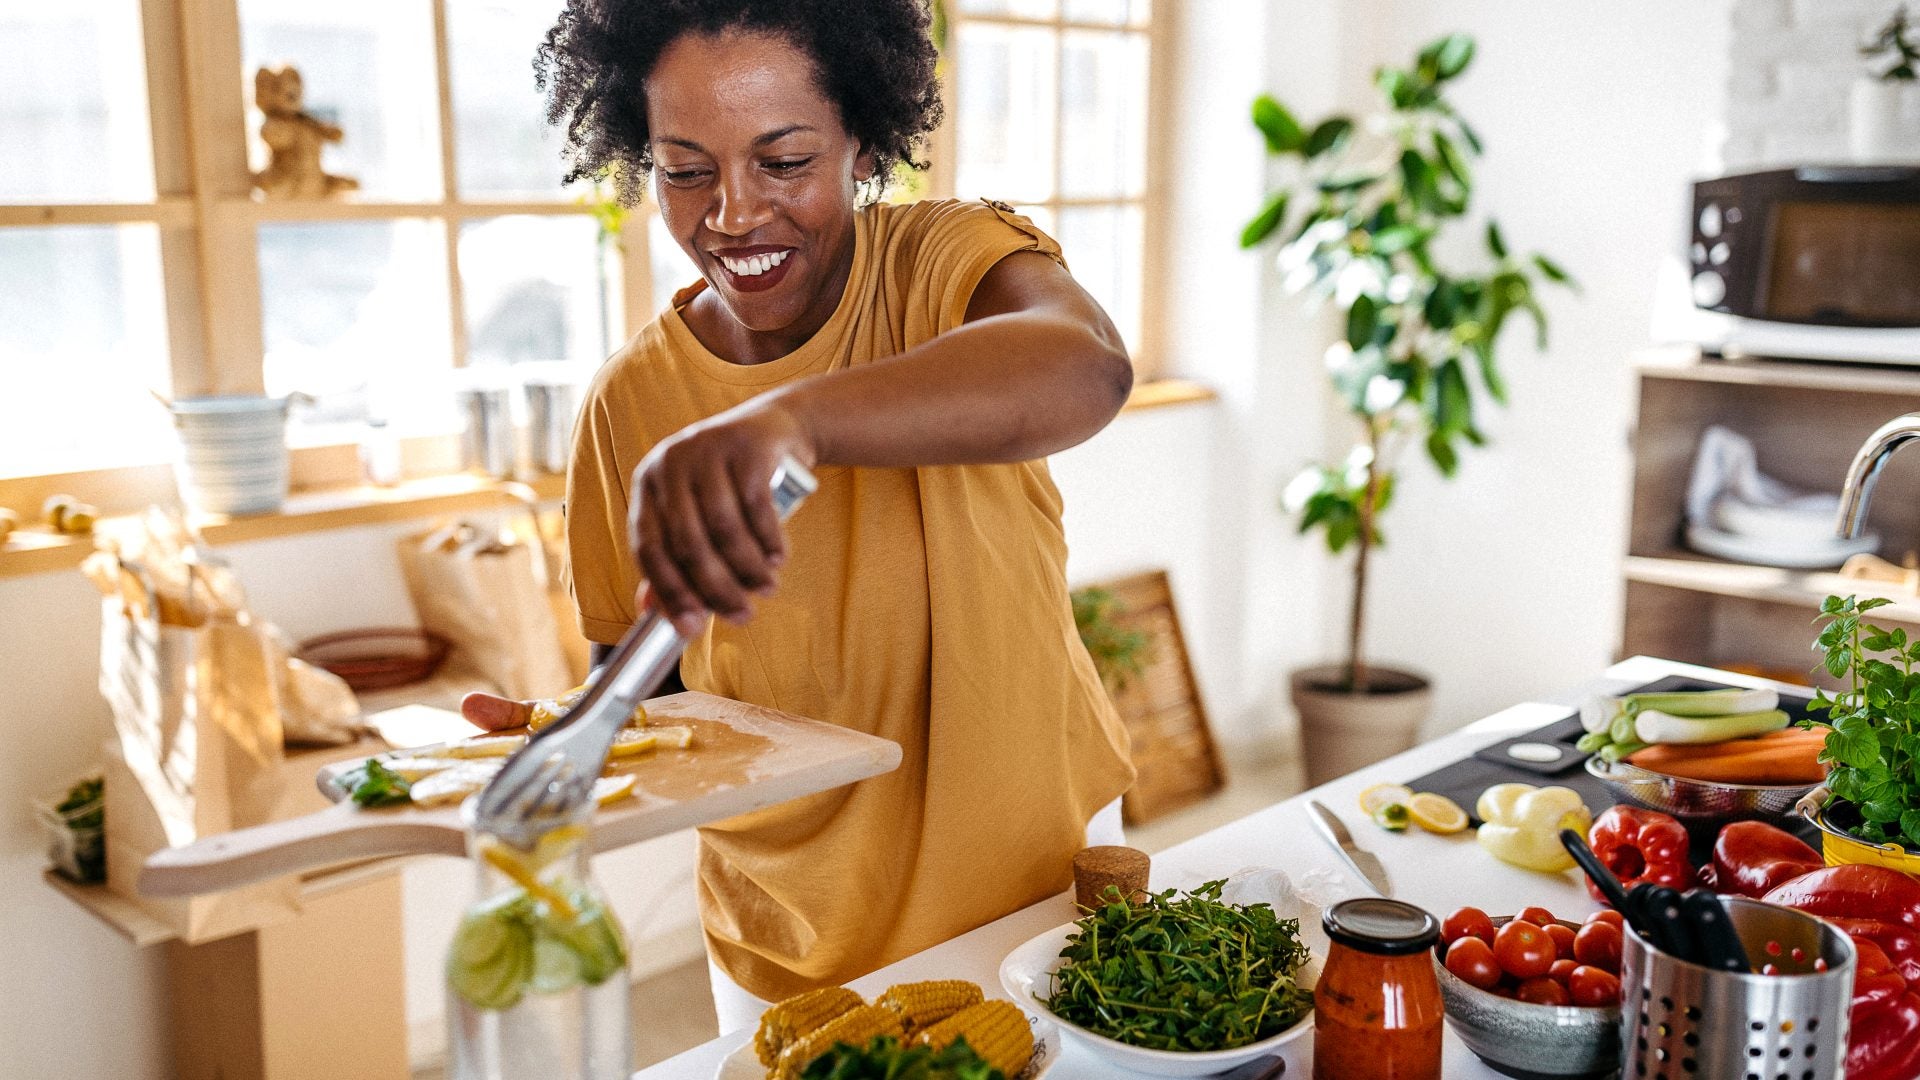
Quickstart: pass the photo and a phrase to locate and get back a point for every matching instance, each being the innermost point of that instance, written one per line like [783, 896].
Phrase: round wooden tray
[378, 658]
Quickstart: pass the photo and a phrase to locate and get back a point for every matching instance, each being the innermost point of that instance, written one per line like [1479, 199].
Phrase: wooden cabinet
[1806, 420]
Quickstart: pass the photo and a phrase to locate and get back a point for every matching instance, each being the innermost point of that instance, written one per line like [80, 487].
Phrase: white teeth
[756, 265]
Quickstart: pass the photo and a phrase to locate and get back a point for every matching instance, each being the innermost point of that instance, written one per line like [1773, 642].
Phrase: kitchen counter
[1439, 873]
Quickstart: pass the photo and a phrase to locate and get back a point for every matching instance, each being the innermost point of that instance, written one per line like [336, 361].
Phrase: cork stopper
[1095, 868]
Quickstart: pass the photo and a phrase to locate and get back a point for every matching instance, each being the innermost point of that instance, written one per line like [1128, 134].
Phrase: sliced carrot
[1779, 757]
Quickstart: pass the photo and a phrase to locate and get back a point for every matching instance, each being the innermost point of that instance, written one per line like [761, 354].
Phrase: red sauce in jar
[1377, 1013]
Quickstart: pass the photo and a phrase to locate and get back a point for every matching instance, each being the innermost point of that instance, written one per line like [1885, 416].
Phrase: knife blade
[1364, 862]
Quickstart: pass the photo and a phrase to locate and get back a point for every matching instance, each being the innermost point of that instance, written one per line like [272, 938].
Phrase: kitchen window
[135, 257]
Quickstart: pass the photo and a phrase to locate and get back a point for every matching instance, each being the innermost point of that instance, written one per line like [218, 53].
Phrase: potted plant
[1870, 812]
[1118, 653]
[1368, 208]
[1884, 108]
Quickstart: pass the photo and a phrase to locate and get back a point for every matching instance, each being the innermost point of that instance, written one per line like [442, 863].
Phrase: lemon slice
[1436, 813]
[452, 785]
[414, 768]
[1380, 796]
[508, 862]
[548, 710]
[609, 789]
[485, 747]
[638, 740]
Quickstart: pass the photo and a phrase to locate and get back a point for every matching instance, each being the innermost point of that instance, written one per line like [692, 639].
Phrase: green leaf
[1452, 160]
[1397, 238]
[1490, 371]
[1910, 826]
[1852, 743]
[1870, 603]
[1283, 132]
[1453, 52]
[1330, 135]
[1264, 223]
[1552, 270]
[1442, 452]
[1495, 242]
[1417, 175]
[1881, 811]
[1341, 185]
[1398, 85]
[1453, 407]
[1363, 318]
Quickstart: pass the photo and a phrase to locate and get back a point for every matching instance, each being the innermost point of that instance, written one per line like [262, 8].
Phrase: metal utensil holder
[1681, 1020]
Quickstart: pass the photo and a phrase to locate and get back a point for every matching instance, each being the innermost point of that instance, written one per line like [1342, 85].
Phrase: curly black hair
[874, 59]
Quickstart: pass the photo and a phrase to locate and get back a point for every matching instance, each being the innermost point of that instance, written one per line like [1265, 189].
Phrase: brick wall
[1792, 63]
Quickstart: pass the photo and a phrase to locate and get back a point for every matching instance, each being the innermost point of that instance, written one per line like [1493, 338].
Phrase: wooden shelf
[1687, 365]
[1769, 584]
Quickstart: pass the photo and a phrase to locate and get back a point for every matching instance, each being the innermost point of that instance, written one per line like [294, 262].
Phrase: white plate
[743, 1065]
[1031, 967]
[1814, 553]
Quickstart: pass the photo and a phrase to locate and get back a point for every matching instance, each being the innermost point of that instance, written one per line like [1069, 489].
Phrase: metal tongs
[547, 782]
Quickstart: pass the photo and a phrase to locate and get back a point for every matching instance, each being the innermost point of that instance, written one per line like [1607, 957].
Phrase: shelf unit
[1807, 420]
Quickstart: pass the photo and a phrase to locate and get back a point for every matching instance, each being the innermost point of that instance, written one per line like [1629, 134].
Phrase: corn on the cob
[996, 1030]
[856, 1027]
[924, 1004]
[798, 1017]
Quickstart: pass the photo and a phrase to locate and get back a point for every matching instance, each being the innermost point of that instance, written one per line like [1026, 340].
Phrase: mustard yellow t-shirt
[928, 606]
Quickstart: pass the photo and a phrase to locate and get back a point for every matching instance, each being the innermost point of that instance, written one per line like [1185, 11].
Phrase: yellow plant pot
[1841, 849]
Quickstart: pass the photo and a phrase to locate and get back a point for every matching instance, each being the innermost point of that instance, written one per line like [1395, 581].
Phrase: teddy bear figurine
[293, 139]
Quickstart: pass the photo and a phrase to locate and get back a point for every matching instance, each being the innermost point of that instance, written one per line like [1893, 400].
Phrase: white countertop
[1438, 873]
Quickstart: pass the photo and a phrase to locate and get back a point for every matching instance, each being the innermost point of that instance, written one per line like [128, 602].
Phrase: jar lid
[1382, 926]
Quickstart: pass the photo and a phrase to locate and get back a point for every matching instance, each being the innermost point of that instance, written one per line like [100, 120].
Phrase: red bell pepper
[1640, 845]
[1751, 858]
[1854, 891]
[1883, 1042]
[1880, 910]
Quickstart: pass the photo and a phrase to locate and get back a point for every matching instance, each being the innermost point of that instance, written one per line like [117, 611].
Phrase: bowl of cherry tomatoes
[1534, 995]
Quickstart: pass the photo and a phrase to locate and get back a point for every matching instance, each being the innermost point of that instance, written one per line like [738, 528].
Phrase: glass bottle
[1377, 1012]
[537, 973]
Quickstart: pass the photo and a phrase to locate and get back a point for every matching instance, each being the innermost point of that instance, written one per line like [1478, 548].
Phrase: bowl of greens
[1180, 984]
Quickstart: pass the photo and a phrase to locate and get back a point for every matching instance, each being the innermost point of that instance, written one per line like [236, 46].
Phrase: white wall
[1793, 62]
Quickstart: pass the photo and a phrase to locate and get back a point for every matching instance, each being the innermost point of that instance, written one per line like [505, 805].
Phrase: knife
[1364, 862]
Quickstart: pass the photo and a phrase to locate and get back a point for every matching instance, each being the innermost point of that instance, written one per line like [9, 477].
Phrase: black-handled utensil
[1719, 944]
[1661, 907]
[1634, 905]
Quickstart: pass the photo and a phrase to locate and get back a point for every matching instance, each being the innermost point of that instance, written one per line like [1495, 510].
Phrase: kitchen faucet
[1865, 471]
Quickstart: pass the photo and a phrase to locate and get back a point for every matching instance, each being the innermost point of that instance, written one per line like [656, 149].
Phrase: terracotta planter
[1344, 731]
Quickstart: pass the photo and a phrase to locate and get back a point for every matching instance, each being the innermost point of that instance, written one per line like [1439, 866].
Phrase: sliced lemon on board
[1380, 796]
[1436, 813]
[484, 747]
[610, 789]
[639, 740]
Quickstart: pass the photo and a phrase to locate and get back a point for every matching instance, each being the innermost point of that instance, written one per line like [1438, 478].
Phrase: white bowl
[1029, 969]
[744, 1064]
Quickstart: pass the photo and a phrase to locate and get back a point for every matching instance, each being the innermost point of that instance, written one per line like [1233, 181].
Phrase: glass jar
[537, 972]
[1377, 1013]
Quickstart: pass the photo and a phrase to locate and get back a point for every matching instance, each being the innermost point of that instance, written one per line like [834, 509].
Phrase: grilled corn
[856, 1027]
[924, 1004]
[996, 1030]
[798, 1017]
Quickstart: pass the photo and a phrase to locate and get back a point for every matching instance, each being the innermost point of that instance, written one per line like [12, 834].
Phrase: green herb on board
[1183, 972]
[373, 784]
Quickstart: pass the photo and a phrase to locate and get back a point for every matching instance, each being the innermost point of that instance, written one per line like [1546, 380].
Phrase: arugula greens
[1873, 727]
[1183, 974]
[885, 1059]
[373, 784]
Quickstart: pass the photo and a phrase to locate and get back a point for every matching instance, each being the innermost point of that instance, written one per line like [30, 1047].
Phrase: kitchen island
[1439, 873]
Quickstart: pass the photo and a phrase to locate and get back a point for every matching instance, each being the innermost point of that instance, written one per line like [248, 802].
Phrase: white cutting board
[743, 758]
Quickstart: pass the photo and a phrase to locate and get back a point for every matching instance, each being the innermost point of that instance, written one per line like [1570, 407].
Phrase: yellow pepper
[1523, 824]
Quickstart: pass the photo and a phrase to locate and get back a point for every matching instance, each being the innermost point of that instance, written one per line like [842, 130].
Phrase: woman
[922, 360]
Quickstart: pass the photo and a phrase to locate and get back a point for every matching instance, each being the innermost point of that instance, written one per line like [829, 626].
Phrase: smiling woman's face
[756, 177]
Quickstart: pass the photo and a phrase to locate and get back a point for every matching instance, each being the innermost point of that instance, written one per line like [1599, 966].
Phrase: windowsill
[36, 550]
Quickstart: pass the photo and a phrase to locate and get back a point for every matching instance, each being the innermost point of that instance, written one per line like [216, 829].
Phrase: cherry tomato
[1536, 915]
[1467, 922]
[1561, 969]
[1562, 938]
[1472, 960]
[1610, 917]
[1542, 991]
[1591, 986]
[1523, 949]
[1598, 945]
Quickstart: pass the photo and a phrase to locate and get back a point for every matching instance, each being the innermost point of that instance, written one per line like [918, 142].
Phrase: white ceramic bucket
[233, 453]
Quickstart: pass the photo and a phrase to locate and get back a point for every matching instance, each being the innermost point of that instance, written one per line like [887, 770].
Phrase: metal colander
[1682, 1020]
[1695, 800]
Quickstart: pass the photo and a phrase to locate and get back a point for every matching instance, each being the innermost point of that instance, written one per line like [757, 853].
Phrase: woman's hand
[703, 526]
[491, 712]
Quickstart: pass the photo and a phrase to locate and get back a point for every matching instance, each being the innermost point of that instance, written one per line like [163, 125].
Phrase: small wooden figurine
[293, 139]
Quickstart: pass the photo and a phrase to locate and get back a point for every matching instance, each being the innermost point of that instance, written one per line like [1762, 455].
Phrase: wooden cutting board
[743, 758]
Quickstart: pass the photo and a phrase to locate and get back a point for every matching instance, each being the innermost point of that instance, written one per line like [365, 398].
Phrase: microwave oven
[1815, 263]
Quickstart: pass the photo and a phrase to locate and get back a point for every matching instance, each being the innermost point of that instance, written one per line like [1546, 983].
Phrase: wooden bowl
[377, 659]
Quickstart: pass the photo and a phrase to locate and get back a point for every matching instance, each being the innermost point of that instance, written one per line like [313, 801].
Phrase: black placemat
[1464, 780]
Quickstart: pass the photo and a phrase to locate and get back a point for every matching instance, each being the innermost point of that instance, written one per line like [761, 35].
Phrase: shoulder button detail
[998, 205]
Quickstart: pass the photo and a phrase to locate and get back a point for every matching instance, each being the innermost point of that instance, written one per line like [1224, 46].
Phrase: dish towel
[1737, 512]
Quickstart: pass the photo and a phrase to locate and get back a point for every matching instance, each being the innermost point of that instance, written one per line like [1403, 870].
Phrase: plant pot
[1343, 731]
[1883, 121]
[1841, 848]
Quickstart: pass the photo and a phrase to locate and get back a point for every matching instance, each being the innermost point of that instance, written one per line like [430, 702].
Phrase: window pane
[1006, 102]
[82, 343]
[1103, 106]
[1043, 217]
[1104, 246]
[1116, 12]
[502, 144]
[1037, 9]
[671, 269]
[532, 289]
[73, 103]
[356, 314]
[368, 66]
